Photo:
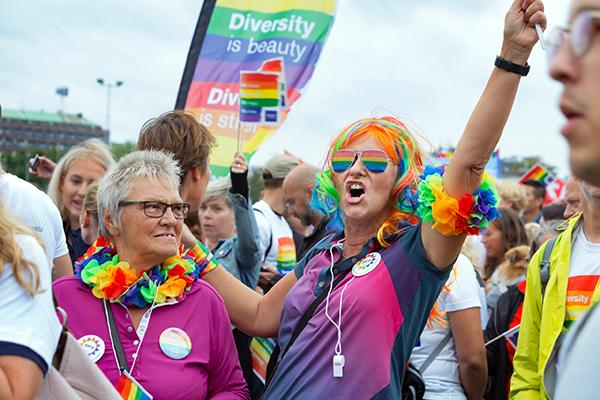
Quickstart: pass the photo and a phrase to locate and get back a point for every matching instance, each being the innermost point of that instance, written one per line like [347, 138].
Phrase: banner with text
[249, 35]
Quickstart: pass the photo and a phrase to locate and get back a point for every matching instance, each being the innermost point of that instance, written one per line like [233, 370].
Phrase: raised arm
[247, 250]
[464, 173]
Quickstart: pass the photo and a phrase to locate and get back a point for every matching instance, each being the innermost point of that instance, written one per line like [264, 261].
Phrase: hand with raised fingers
[519, 29]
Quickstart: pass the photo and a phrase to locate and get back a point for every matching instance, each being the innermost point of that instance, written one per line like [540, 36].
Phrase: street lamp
[109, 87]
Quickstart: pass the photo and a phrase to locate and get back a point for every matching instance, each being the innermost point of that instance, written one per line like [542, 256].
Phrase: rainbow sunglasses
[374, 160]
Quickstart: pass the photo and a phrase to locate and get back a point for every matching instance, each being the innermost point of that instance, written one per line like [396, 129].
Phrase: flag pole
[239, 137]
[508, 332]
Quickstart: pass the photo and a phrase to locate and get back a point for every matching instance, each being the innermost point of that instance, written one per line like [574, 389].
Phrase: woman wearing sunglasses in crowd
[400, 228]
[136, 304]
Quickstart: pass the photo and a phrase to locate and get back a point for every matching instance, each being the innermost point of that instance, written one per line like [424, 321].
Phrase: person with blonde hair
[29, 328]
[89, 215]
[512, 195]
[82, 165]
[35, 209]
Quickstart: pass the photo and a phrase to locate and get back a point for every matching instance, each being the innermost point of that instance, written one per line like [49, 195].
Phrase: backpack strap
[308, 314]
[270, 237]
[545, 264]
[277, 354]
[438, 349]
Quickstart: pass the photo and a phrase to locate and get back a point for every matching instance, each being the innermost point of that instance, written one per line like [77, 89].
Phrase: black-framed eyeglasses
[579, 33]
[156, 209]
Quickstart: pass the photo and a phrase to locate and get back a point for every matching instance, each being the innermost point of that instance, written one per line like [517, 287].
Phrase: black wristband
[510, 66]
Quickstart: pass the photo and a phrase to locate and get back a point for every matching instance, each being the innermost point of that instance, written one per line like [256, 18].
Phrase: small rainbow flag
[261, 350]
[538, 173]
[263, 93]
[130, 389]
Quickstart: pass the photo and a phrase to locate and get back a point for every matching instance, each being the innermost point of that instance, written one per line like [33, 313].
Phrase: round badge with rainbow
[93, 346]
[175, 343]
[367, 264]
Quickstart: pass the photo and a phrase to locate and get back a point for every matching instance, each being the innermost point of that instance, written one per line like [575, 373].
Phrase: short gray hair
[116, 184]
[218, 188]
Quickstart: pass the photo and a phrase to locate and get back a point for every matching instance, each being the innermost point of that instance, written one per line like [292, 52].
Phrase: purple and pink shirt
[210, 371]
[383, 314]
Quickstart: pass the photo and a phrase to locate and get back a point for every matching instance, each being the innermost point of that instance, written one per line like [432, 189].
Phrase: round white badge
[175, 343]
[367, 264]
[93, 346]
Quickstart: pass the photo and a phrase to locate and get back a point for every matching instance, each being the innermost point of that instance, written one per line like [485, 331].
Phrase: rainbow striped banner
[538, 173]
[250, 35]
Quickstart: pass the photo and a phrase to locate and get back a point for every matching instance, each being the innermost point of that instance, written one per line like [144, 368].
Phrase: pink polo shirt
[210, 371]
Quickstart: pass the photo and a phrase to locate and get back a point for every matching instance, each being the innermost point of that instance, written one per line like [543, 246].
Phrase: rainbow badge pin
[93, 346]
[367, 264]
[175, 343]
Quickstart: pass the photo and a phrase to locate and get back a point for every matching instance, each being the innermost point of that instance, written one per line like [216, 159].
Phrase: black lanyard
[115, 338]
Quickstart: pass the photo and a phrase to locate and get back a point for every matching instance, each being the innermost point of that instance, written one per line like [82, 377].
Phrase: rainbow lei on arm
[451, 217]
[115, 280]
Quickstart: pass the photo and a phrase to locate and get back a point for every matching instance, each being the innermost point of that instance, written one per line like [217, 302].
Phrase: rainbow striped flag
[538, 173]
[284, 37]
[130, 389]
[260, 99]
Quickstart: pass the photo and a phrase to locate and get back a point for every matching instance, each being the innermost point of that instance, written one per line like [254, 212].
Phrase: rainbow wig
[401, 147]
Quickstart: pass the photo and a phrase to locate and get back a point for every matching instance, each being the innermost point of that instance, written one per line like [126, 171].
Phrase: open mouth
[354, 192]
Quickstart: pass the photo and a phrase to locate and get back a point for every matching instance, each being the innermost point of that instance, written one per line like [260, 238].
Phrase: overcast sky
[423, 60]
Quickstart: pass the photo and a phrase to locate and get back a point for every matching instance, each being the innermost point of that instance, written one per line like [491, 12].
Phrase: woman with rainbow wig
[366, 292]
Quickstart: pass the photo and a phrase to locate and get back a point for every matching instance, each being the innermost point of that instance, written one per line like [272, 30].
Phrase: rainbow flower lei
[115, 280]
[451, 217]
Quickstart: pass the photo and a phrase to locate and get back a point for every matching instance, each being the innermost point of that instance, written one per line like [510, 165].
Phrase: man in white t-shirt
[573, 286]
[35, 209]
[459, 370]
[277, 249]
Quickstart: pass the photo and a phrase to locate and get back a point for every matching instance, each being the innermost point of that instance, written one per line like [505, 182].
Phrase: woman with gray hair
[136, 303]
[229, 225]
[231, 233]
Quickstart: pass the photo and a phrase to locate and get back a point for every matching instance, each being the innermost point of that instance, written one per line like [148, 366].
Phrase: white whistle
[338, 365]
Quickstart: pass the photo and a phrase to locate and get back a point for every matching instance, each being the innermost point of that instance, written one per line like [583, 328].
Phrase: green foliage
[17, 162]
[517, 166]
[120, 149]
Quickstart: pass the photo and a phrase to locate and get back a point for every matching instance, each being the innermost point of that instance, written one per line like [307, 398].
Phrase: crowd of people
[374, 276]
